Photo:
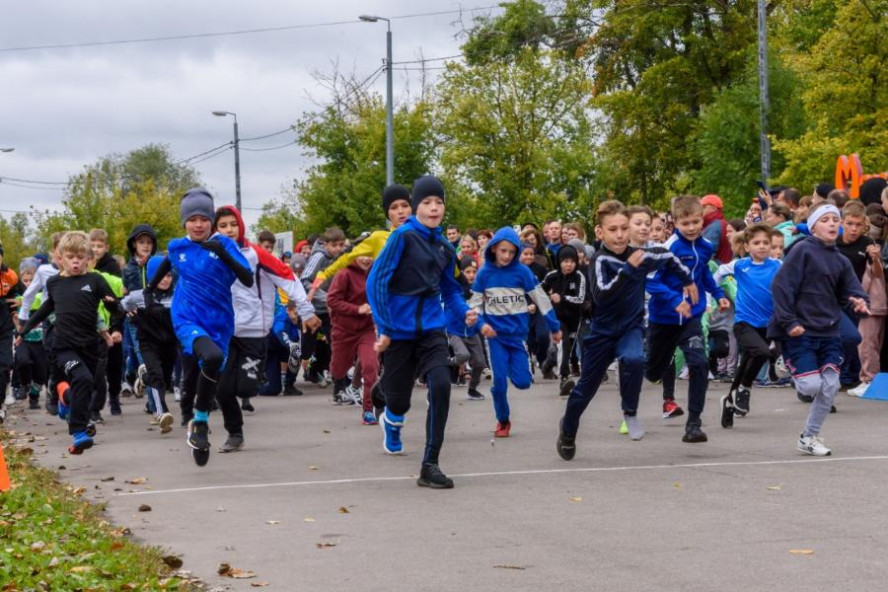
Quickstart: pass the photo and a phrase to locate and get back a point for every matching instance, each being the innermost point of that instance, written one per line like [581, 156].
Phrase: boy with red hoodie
[253, 318]
[353, 331]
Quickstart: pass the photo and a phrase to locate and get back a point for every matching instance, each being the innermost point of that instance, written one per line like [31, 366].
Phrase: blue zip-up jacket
[811, 288]
[755, 304]
[499, 294]
[616, 289]
[202, 300]
[411, 279]
[666, 289]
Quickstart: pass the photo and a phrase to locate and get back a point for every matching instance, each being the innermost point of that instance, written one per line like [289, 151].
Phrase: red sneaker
[502, 429]
[671, 409]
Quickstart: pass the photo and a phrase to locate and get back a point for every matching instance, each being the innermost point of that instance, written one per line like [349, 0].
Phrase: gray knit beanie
[197, 202]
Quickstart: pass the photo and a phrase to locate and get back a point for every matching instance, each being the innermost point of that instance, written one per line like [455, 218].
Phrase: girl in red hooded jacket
[353, 333]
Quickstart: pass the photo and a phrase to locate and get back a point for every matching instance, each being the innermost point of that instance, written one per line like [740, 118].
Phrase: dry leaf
[343, 510]
[325, 545]
[677, 485]
[326, 431]
[116, 545]
[78, 490]
[81, 569]
[801, 551]
[507, 566]
[312, 468]
[575, 499]
[774, 488]
[220, 509]
[308, 519]
[144, 508]
[107, 479]
[272, 522]
[136, 481]
[173, 561]
[259, 584]
[227, 571]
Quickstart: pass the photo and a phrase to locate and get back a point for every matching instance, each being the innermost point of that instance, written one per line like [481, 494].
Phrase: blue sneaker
[81, 442]
[63, 409]
[370, 418]
[391, 428]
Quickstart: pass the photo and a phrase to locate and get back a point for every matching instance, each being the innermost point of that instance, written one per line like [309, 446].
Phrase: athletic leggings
[754, 352]
[210, 359]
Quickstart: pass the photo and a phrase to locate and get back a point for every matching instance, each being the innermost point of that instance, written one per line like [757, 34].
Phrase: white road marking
[806, 460]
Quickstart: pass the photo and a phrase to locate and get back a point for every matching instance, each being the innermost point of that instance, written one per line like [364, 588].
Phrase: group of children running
[420, 305]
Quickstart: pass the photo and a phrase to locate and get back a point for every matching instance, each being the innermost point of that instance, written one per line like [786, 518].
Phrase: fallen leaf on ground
[107, 478]
[173, 561]
[325, 545]
[312, 468]
[343, 510]
[801, 551]
[308, 519]
[507, 566]
[136, 481]
[81, 568]
[226, 570]
[259, 584]
[326, 431]
[575, 499]
[677, 485]
[220, 509]
[774, 488]
[272, 522]
[144, 508]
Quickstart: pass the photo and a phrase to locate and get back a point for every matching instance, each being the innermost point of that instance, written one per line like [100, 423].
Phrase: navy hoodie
[811, 288]
[135, 276]
[499, 294]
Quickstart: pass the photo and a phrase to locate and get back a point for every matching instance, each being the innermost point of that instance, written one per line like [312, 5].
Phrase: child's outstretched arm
[713, 288]
[46, 309]
[850, 293]
[235, 263]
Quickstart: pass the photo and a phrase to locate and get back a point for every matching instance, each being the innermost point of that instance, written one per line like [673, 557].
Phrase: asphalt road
[313, 503]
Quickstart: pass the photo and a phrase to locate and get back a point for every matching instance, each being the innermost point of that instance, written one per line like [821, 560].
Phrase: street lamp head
[7, 149]
[222, 113]
[368, 18]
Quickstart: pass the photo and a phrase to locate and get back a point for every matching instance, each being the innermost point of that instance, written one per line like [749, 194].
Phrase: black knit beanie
[197, 202]
[392, 194]
[568, 252]
[426, 186]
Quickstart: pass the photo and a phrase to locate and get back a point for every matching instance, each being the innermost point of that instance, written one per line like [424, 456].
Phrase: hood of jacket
[506, 233]
[241, 227]
[139, 230]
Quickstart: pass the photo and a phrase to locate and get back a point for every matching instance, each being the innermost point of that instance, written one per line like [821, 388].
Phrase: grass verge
[52, 539]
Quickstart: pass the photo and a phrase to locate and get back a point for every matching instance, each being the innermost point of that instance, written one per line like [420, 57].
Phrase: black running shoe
[431, 476]
[727, 411]
[33, 404]
[693, 433]
[292, 391]
[234, 443]
[198, 435]
[804, 398]
[741, 401]
[567, 385]
[246, 405]
[474, 395]
[96, 417]
[566, 445]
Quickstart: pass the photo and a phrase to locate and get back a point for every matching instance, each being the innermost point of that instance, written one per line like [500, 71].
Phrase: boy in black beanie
[566, 288]
[410, 280]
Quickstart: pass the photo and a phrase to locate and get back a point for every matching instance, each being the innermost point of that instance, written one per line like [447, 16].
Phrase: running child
[353, 334]
[617, 276]
[465, 342]
[676, 323]
[566, 287]
[157, 338]
[754, 307]
[407, 286]
[74, 297]
[30, 357]
[207, 265]
[807, 314]
[500, 297]
[10, 289]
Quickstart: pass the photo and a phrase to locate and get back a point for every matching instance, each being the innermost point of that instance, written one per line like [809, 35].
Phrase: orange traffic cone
[4, 474]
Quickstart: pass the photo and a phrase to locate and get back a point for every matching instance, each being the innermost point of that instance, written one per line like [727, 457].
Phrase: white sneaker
[10, 399]
[860, 390]
[812, 445]
[355, 394]
[177, 394]
[780, 368]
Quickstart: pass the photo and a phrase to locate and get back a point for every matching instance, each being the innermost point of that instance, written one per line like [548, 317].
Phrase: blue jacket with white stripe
[499, 294]
[666, 289]
[410, 281]
[616, 288]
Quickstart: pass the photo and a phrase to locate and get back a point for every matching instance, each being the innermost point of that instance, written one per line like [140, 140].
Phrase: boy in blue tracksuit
[202, 312]
[411, 279]
[675, 322]
[283, 350]
[500, 296]
[812, 287]
[616, 274]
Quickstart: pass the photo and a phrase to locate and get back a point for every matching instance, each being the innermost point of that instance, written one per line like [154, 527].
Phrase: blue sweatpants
[599, 351]
[508, 361]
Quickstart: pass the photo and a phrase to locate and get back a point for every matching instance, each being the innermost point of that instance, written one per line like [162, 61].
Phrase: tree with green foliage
[120, 191]
[517, 134]
[16, 238]
[345, 188]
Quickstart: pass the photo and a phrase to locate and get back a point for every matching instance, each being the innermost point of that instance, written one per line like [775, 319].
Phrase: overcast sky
[64, 108]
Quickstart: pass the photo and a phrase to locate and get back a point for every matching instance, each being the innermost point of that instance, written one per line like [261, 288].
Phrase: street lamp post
[237, 184]
[389, 111]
